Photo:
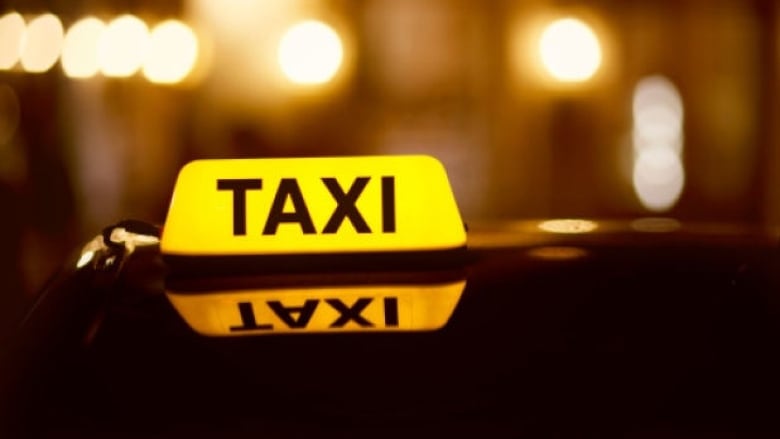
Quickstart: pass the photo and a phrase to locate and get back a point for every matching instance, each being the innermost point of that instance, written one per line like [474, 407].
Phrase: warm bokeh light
[80, 49]
[172, 53]
[310, 53]
[658, 173]
[658, 113]
[568, 226]
[123, 46]
[570, 50]
[41, 43]
[11, 30]
[659, 178]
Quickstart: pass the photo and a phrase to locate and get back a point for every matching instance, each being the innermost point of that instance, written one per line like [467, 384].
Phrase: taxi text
[298, 317]
[289, 191]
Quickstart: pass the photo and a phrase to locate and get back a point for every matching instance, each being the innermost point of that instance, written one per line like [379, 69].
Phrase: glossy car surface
[643, 329]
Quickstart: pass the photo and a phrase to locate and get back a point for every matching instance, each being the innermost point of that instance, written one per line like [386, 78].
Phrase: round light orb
[41, 43]
[310, 53]
[658, 178]
[173, 50]
[123, 46]
[12, 28]
[570, 50]
[80, 49]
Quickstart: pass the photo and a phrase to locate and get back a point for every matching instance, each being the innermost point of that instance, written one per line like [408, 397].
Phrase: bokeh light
[123, 46]
[658, 178]
[41, 43]
[172, 53]
[310, 53]
[570, 50]
[568, 226]
[80, 49]
[658, 113]
[658, 174]
[11, 31]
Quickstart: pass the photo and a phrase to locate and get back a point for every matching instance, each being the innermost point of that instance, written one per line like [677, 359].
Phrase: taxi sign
[343, 308]
[312, 206]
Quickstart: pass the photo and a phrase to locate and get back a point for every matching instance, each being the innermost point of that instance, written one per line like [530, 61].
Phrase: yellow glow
[422, 211]
[310, 53]
[80, 50]
[557, 253]
[123, 46]
[419, 308]
[172, 54]
[658, 114]
[12, 29]
[658, 178]
[41, 43]
[568, 226]
[570, 50]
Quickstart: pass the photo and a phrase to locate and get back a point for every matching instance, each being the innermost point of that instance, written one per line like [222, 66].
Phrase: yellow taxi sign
[373, 308]
[312, 205]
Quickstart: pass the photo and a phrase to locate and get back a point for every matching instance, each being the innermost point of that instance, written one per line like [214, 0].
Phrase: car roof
[611, 331]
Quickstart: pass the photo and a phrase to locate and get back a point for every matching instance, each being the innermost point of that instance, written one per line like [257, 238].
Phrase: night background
[538, 109]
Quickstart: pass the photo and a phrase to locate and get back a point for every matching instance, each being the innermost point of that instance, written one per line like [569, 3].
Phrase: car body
[650, 328]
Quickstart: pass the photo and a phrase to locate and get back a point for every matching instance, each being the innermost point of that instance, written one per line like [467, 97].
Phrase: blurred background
[604, 109]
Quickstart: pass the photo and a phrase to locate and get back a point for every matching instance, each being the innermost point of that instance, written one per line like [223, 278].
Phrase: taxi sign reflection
[342, 308]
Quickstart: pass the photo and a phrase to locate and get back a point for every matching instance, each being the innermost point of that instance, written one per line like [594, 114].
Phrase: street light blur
[658, 178]
[310, 53]
[658, 174]
[41, 43]
[122, 48]
[658, 114]
[80, 49]
[560, 63]
[570, 50]
[12, 29]
[172, 53]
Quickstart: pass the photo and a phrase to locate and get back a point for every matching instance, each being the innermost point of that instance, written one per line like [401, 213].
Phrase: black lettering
[388, 204]
[239, 186]
[288, 188]
[391, 311]
[304, 312]
[345, 205]
[350, 313]
[248, 321]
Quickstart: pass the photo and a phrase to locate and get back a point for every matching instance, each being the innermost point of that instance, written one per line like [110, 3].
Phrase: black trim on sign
[302, 280]
[188, 267]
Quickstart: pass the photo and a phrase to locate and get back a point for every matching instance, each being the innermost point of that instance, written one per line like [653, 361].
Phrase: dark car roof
[671, 330]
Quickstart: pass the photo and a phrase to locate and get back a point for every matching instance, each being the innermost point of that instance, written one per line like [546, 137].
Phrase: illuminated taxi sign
[373, 308]
[312, 205]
